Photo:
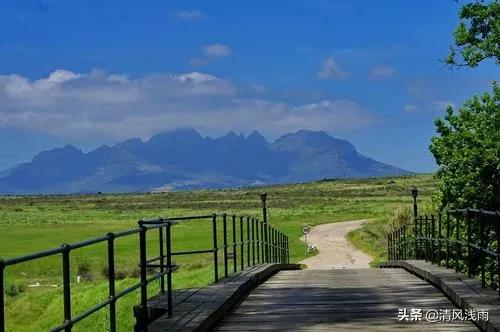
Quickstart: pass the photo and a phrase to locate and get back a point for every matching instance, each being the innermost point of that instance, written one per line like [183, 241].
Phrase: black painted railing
[252, 242]
[467, 240]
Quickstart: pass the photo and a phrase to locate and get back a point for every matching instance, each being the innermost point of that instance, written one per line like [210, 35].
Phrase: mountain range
[184, 159]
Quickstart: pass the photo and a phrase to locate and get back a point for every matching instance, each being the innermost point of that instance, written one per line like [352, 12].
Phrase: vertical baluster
[2, 296]
[415, 235]
[216, 249]
[235, 259]
[162, 260]
[420, 237]
[482, 245]
[275, 241]
[224, 239]
[143, 276]
[448, 239]
[497, 231]
[169, 269]
[469, 243]
[263, 243]
[111, 282]
[439, 237]
[389, 246]
[242, 245]
[458, 249]
[257, 239]
[253, 241]
[248, 242]
[432, 236]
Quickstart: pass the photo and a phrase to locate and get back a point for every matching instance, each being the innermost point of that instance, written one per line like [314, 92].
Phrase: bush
[14, 289]
[84, 269]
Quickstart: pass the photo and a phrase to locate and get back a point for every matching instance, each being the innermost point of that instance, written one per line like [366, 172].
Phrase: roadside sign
[306, 230]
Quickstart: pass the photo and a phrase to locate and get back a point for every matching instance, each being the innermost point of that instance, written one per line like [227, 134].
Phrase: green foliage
[467, 149]
[477, 37]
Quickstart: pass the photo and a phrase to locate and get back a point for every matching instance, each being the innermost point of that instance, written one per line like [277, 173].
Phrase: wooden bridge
[409, 295]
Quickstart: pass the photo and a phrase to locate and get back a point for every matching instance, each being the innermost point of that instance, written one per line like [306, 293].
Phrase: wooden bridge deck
[339, 300]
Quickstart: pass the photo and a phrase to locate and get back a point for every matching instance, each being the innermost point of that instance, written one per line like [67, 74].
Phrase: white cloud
[330, 69]
[216, 50]
[382, 70]
[188, 14]
[410, 108]
[211, 53]
[112, 106]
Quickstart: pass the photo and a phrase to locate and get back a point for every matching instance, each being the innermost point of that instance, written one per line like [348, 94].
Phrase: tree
[467, 149]
[467, 145]
[477, 37]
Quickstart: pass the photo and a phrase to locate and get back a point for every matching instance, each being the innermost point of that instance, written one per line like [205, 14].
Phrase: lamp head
[414, 192]
[263, 198]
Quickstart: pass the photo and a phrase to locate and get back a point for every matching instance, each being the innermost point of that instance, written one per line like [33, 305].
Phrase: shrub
[14, 289]
[84, 269]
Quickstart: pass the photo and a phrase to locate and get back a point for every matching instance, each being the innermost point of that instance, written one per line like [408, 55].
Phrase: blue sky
[92, 72]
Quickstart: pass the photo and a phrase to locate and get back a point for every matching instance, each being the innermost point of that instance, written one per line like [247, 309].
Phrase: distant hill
[184, 159]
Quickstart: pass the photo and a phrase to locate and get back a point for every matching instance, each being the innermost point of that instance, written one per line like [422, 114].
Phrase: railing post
[257, 239]
[281, 247]
[235, 259]
[263, 198]
[432, 236]
[248, 241]
[275, 244]
[253, 241]
[262, 243]
[469, 243]
[111, 282]
[389, 246]
[440, 214]
[417, 240]
[399, 243]
[497, 229]
[216, 249]
[287, 251]
[396, 244]
[458, 249]
[447, 239]
[169, 269]
[2, 294]
[426, 239]
[224, 229]
[482, 245]
[162, 260]
[143, 275]
[66, 286]
[271, 244]
[414, 194]
[242, 245]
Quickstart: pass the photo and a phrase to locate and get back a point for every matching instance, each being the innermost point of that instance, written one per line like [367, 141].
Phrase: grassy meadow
[31, 223]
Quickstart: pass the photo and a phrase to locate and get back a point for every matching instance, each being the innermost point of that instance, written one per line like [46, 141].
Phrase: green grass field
[29, 224]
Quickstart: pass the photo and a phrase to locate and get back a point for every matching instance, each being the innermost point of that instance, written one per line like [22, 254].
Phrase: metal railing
[467, 240]
[263, 244]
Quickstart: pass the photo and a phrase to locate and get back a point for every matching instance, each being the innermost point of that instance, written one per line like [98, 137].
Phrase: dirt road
[335, 251]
